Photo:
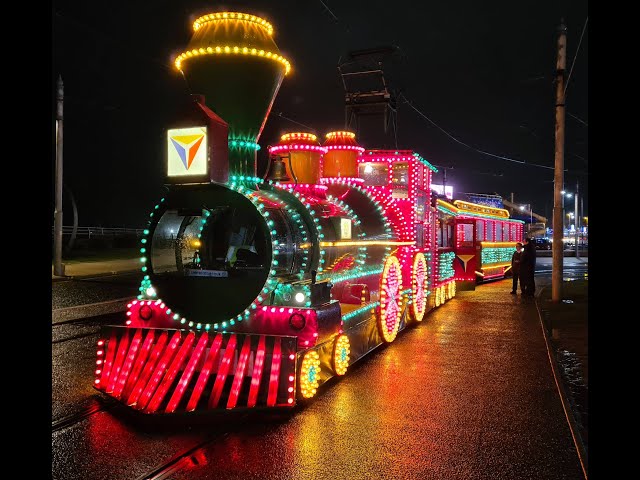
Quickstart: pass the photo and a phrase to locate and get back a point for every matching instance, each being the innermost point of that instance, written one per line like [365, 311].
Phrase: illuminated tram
[483, 239]
[256, 291]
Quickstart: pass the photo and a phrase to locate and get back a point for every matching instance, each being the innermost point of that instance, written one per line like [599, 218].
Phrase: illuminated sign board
[447, 191]
[187, 151]
[345, 228]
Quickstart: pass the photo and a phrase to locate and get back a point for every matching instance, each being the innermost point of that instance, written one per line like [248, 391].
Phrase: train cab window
[445, 234]
[374, 173]
[209, 244]
[400, 180]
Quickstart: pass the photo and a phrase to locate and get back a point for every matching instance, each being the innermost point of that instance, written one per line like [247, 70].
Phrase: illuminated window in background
[498, 231]
[419, 236]
[400, 180]
[480, 230]
[505, 231]
[374, 173]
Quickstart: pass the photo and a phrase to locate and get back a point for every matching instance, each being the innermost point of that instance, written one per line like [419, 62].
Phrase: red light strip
[275, 374]
[137, 368]
[128, 363]
[239, 375]
[117, 364]
[257, 373]
[158, 371]
[171, 374]
[148, 369]
[106, 368]
[205, 372]
[229, 352]
[188, 373]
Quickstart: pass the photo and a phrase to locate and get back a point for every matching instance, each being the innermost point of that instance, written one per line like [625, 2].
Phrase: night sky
[482, 71]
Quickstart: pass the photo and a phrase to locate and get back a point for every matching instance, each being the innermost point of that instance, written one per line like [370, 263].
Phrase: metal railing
[100, 231]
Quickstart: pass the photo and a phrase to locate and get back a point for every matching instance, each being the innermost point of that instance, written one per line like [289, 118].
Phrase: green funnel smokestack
[233, 61]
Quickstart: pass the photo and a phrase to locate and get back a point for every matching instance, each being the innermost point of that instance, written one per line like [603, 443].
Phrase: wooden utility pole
[58, 267]
[558, 205]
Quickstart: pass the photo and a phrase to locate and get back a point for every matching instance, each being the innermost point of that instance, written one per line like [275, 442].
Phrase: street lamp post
[576, 224]
[58, 266]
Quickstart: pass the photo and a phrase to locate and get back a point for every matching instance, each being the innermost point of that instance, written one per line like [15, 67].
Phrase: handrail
[68, 229]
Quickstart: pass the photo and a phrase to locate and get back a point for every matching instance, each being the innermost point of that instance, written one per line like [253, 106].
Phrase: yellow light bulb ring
[236, 50]
[341, 354]
[232, 16]
[419, 287]
[309, 383]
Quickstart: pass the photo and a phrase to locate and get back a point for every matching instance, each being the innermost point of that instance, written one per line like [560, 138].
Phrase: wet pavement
[467, 394]
[80, 291]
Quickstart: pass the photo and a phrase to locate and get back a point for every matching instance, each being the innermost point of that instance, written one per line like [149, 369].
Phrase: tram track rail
[75, 337]
[77, 417]
[179, 461]
[186, 458]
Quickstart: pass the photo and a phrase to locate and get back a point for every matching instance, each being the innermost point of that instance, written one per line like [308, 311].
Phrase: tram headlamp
[299, 297]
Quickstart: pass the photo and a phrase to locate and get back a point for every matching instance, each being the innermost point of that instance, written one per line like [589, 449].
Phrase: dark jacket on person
[516, 259]
[528, 260]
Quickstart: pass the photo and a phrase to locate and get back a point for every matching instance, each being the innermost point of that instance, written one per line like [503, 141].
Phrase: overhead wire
[576, 55]
[483, 152]
[502, 157]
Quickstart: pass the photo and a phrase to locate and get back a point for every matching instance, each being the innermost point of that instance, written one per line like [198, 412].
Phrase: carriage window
[498, 231]
[374, 173]
[400, 180]
[490, 231]
[419, 235]
[480, 230]
[421, 200]
[465, 234]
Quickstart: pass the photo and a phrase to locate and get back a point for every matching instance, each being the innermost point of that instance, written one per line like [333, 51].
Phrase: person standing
[527, 268]
[515, 268]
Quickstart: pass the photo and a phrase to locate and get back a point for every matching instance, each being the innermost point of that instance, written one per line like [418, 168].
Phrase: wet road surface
[70, 293]
[467, 394]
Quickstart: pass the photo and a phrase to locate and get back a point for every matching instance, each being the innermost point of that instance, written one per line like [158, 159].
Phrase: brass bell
[277, 170]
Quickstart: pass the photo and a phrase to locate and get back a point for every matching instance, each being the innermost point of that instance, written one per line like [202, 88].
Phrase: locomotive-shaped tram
[256, 291]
